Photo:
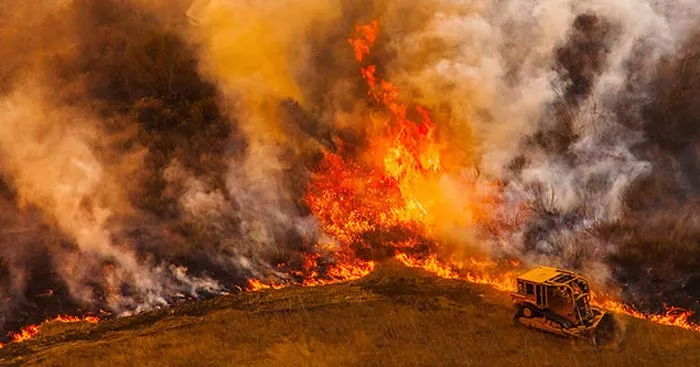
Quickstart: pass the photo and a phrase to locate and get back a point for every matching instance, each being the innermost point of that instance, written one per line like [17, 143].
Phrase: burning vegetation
[197, 149]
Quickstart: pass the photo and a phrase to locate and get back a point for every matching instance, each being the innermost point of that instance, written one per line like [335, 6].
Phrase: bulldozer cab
[558, 301]
[562, 292]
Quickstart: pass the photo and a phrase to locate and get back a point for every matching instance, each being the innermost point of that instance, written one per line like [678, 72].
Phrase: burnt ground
[396, 317]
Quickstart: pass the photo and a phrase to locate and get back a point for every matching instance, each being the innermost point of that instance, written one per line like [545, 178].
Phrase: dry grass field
[394, 317]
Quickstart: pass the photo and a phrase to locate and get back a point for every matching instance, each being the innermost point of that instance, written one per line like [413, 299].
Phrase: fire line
[390, 198]
[352, 199]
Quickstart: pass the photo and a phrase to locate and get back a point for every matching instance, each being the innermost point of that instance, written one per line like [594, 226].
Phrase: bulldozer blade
[606, 332]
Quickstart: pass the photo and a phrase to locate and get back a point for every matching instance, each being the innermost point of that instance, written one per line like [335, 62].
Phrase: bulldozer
[558, 301]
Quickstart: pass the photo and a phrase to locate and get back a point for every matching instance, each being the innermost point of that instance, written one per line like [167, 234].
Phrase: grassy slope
[396, 316]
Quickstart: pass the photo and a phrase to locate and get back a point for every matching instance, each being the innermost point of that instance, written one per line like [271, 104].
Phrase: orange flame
[397, 187]
[310, 275]
[71, 319]
[671, 316]
[344, 270]
[256, 285]
[31, 331]
[392, 193]
[389, 198]
[26, 333]
[367, 35]
[473, 271]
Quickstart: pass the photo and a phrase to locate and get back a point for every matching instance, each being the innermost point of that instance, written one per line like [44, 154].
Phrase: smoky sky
[155, 151]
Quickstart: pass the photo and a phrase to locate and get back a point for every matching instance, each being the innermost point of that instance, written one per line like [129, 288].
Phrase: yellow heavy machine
[558, 301]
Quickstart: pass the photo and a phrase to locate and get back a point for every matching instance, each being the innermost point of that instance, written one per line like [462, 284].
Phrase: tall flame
[389, 196]
[394, 192]
[392, 197]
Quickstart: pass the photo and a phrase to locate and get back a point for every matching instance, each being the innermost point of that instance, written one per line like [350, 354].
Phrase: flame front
[397, 199]
[671, 316]
[26, 333]
[31, 331]
[391, 197]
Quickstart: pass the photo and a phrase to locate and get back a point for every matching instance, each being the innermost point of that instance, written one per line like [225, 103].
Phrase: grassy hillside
[396, 316]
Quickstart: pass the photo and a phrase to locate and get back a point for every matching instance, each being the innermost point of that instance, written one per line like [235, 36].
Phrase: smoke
[533, 92]
[49, 156]
[152, 150]
[59, 159]
[255, 61]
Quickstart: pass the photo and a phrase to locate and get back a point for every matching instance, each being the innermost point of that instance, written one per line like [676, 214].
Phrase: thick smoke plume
[548, 96]
[254, 62]
[153, 151]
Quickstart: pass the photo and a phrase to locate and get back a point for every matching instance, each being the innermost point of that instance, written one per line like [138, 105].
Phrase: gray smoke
[534, 89]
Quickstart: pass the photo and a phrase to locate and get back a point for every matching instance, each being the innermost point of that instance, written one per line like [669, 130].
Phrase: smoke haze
[154, 151]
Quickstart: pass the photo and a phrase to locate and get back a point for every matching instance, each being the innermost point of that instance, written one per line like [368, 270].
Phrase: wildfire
[363, 44]
[505, 281]
[71, 319]
[671, 316]
[392, 197]
[311, 277]
[256, 285]
[31, 331]
[339, 272]
[26, 333]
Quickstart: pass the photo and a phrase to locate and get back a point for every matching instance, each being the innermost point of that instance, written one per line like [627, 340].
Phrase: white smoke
[253, 60]
[197, 199]
[494, 63]
[243, 229]
[488, 69]
[48, 153]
